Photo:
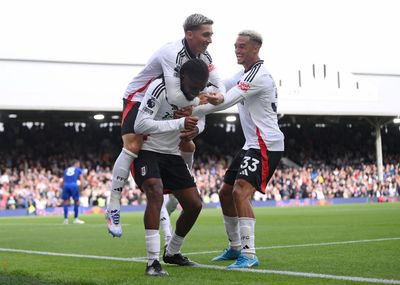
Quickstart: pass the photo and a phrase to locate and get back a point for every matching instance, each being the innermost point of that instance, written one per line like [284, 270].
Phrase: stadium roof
[313, 89]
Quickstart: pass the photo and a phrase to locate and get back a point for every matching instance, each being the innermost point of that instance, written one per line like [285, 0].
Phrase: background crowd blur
[323, 159]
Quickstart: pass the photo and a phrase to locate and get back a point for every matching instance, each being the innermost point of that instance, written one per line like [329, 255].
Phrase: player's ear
[189, 34]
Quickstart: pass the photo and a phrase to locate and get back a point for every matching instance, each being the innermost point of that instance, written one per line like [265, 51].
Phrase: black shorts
[254, 167]
[172, 170]
[129, 115]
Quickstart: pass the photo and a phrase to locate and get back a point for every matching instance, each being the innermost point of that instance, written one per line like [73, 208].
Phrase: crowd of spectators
[320, 167]
[41, 187]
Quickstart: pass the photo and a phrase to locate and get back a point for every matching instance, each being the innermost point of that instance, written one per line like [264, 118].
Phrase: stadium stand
[325, 157]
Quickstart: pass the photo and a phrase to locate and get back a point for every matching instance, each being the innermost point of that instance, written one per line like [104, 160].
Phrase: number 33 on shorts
[248, 164]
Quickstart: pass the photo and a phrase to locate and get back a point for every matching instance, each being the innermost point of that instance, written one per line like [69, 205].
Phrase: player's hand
[215, 98]
[203, 98]
[190, 123]
[188, 135]
[183, 112]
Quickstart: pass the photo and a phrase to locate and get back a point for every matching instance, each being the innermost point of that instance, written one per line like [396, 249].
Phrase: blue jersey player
[71, 183]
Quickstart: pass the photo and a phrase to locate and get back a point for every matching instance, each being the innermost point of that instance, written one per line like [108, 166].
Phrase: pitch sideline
[254, 270]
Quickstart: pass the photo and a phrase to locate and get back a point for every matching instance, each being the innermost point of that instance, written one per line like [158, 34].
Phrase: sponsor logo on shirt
[244, 86]
[211, 67]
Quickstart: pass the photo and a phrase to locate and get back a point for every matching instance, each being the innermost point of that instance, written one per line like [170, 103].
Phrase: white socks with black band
[120, 174]
[232, 230]
[246, 226]
[152, 245]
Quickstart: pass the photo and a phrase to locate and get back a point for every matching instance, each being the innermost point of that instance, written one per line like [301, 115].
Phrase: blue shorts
[70, 190]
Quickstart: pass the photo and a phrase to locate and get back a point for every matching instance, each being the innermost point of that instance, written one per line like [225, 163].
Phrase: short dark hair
[253, 35]
[194, 21]
[195, 67]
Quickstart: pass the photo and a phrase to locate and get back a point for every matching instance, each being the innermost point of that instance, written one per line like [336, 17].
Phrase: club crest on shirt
[244, 86]
[143, 170]
[211, 67]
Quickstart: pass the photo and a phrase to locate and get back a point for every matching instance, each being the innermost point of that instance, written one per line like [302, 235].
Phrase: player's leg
[230, 216]
[177, 178]
[191, 204]
[165, 221]
[190, 201]
[66, 196]
[248, 179]
[66, 207]
[242, 194]
[75, 196]
[122, 166]
[171, 204]
[255, 171]
[231, 223]
[131, 145]
[147, 177]
[153, 189]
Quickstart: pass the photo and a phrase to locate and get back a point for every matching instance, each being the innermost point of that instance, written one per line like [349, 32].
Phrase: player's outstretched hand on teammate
[191, 122]
[188, 135]
[214, 98]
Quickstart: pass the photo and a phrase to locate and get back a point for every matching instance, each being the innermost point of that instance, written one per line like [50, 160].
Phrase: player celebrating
[254, 91]
[159, 164]
[166, 61]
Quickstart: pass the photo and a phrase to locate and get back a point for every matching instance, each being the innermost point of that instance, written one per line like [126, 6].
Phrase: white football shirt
[167, 62]
[255, 93]
[155, 119]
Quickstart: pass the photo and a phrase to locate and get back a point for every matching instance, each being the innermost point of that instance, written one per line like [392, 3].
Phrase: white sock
[152, 245]
[165, 222]
[246, 226]
[120, 174]
[172, 203]
[174, 245]
[232, 230]
[188, 158]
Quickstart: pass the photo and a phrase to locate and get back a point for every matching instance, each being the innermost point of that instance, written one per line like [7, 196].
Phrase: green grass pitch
[339, 244]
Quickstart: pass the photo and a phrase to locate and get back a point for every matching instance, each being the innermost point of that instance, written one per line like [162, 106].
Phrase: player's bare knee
[154, 191]
[133, 142]
[196, 206]
[239, 191]
[225, 194]
[193, 206]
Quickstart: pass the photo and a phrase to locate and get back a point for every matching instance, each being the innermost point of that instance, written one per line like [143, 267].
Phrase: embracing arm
[234, 96]
[145, 122]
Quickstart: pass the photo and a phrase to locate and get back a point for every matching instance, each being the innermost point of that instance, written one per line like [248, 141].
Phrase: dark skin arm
[188, 135]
